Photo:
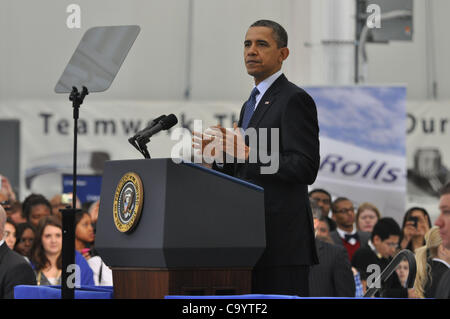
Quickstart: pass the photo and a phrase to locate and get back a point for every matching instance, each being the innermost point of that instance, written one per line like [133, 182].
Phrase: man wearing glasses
[379, 251]
[346, 234]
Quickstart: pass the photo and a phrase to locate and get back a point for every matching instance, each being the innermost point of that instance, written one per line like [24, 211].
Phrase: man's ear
[376, 240]
[284, 53]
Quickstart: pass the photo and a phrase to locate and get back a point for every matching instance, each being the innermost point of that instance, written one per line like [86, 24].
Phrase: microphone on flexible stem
[155, 121]
[163, 124]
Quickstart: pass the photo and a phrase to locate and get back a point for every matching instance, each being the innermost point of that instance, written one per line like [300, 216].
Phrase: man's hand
[6, 191]
[218, 140]
[231, 140]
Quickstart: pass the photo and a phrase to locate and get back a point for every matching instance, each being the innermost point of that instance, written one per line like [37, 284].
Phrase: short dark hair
[385, 228]
[280, 34]
[320, 190]
[445, 189]
[337, 201]
[34, 200]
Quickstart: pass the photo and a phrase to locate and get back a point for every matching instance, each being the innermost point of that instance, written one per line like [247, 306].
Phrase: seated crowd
[31, 242]
[352, 245]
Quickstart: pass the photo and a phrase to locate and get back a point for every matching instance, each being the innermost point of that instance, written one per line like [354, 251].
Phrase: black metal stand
[68, 214]
[140, 145]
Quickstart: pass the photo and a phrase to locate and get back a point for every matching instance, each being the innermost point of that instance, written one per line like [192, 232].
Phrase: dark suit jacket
[437, 270]
[443, 289]
[14, 270]
[289, 224]
[363, 238]
[333, 276]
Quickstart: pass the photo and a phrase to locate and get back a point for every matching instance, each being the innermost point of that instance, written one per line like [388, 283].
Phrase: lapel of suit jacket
[266, 101]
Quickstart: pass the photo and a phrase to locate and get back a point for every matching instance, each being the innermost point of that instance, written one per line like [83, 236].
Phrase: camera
[413, 219]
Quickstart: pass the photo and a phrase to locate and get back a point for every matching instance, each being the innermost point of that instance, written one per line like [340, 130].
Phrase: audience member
[432, 262]
[35, 207]
[15, 213]
[10, 234]
[443, 222]
[14, 270]
[61, 201]
[93, 211]
[403, 272]
[416, 223]
[46, 256]
[333, 276]
[346, 234]
[322, 231]
[323, 199]
[379, 251]
[25, 234]
[6, 191]
[366, 217]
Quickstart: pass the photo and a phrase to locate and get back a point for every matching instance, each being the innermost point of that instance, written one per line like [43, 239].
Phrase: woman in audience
[25, 235]
[46, 255]
[416, 223]
[10, 234]
[84, 243]
[432, 261]
[366, 217]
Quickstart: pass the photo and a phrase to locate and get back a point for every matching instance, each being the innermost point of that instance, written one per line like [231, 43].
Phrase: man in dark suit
[346, 234]
[14, 269]
[289, 116]
[443, 222]
[333, 276]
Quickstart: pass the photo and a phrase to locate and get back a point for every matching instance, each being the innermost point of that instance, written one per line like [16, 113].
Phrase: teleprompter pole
[68, 214]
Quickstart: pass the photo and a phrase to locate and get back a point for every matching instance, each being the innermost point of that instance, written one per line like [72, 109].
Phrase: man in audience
[333, 276]
[14, 270]
[379, 251]
[443, 222]
[346, 234]
[36, 207]
[323, 199]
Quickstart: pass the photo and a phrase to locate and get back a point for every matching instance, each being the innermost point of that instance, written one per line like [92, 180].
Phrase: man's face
[443, 221]
[323, 201]
[345, 214]
[262, 56]
[387, 247]
[38, 212]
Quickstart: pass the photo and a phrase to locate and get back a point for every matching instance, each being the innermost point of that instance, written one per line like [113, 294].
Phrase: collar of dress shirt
[342, 234]
[372, 246]
[264, 85]
[442, 261]
[1, 242]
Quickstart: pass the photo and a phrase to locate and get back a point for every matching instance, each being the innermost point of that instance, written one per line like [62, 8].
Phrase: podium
[199, 232]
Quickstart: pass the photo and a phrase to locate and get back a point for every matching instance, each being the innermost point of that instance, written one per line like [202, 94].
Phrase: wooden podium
[200, 232]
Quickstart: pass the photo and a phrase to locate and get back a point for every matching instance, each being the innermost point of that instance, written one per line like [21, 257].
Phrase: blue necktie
[249, 108]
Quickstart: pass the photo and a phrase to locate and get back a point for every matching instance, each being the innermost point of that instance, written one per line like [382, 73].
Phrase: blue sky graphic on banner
[368, 117]
[363, 145]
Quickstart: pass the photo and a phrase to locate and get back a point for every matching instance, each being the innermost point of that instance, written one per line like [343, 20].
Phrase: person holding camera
[416, 223]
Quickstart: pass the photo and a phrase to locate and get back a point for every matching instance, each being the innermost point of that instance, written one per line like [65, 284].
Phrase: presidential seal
[128, 201]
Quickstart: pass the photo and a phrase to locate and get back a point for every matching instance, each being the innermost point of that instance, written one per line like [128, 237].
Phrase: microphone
[152, 123]
[165, 123]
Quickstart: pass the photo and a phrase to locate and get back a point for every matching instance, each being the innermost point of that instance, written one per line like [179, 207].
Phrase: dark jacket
[363, 238]
[333, 276]
[14, 270]
[289, 225]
